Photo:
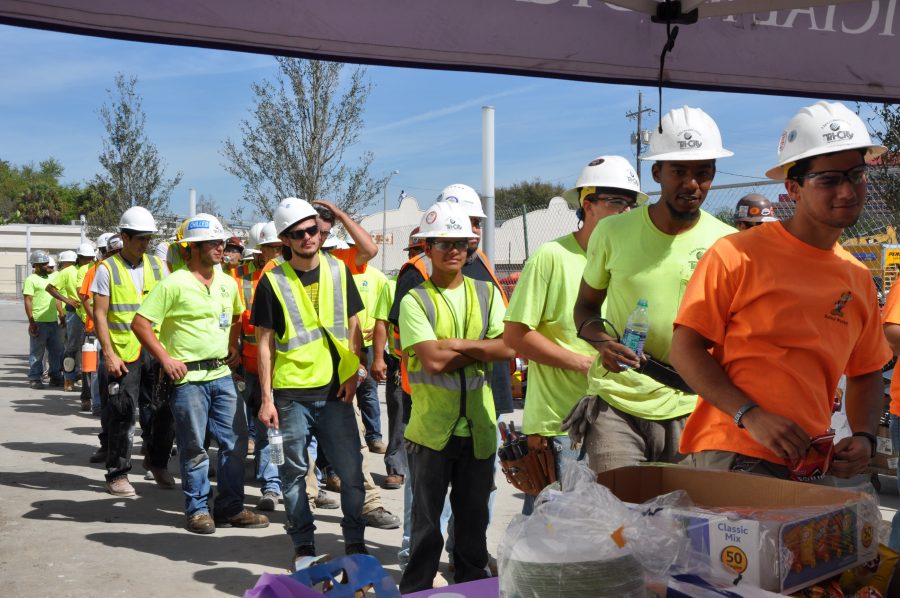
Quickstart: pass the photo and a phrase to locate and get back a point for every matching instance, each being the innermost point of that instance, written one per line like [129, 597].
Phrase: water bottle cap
[642, 303]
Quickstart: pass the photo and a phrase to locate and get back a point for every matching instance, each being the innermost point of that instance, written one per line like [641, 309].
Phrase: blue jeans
[367, 399]
[564, 456]
[266, 471]
[214, 405]
[334, 425]
[894, 541]
[49, 339]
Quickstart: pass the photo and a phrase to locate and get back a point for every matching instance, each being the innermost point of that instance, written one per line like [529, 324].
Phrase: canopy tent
[849, 50]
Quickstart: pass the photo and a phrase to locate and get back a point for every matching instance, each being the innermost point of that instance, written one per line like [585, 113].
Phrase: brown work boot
[161, 475]
[333, 483]
[392, 482]
[377, 446]
[120, 486]
[69, 386]
[201, 523]
[244, 519]
[85, 404]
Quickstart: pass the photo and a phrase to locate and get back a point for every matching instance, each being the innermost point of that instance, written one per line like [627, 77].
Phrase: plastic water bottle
[276, 445]
[113, 389]
[636, 328]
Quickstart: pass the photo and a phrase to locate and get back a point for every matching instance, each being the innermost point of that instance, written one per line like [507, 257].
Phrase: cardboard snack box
[777, 535]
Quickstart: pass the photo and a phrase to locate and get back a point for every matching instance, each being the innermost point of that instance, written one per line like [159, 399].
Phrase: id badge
[223, 320]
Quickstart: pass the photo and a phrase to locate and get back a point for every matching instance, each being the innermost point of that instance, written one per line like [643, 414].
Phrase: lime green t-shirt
[383, 309]
[194, 321]
[369, 285]
[632, 259]
[43, 305]
[415, 327]
[543, 300]
[65, 282]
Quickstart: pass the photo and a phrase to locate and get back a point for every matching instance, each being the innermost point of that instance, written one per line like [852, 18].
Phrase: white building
[14, 240]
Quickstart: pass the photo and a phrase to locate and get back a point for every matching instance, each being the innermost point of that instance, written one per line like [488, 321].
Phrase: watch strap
[740, 413]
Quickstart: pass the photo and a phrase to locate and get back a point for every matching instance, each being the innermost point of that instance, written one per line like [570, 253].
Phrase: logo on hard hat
[767, 211]
[452, 198]
[453, 224]
[688, 141]
[792, 136]
[194, 224]
[632, 179]
[838, 132]
[596, 162]
[430, 217]
[754, 211]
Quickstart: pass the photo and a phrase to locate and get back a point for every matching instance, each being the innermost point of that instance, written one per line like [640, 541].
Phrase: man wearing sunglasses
[197, 310]
[308, 339]
[539, 323]
[450, 329]
[637, 403]
[775, 315]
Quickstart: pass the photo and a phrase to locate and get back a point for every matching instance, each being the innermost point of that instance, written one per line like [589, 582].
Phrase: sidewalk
[61, 534]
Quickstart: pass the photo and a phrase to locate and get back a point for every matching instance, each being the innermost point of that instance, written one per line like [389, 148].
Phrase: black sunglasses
[448, 245]
[300, 233]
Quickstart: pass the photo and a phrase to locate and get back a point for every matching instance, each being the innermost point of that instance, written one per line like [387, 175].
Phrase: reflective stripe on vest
[124, 303]
[439, 401]
[303, 354]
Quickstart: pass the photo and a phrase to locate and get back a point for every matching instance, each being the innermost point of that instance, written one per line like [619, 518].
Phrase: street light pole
[384, 218]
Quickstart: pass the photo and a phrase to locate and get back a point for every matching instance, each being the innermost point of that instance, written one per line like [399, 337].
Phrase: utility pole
[642, 136]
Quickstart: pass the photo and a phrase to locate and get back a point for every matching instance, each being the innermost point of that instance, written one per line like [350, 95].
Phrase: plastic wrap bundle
[582, 541]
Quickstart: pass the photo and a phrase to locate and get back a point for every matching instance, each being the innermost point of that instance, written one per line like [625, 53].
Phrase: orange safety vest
[247, 282]
[422, 263]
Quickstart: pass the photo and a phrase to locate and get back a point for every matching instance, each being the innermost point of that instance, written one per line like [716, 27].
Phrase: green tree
[296, 141]
[884, 125]
[133, 170]
[34, 194]
[509, 200]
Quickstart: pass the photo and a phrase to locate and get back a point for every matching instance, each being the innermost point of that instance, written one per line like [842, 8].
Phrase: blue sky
[424, 123]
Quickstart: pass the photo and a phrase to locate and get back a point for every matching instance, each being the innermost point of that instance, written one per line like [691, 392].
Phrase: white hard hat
[114, 243]
[687, 134]
[161, 250]
[332, 241]
[445, 219]
[52, 262]
[39, 257]
[138, 219]
[291, 211]
[253, 235]
[466, 197]
[823, 128]
[268, 235]
[87, 249]
[203, 227]
[248, 254]
[102, 239]
[68, 256]
[607, 171]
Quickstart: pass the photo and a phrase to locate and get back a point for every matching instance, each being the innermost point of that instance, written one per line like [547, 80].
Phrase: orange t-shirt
[786, 320]
[891, 315]
[85, 291]
[348, 256]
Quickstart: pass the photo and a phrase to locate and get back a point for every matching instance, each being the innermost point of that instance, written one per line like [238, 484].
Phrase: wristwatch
[740, 413]
[872, 441]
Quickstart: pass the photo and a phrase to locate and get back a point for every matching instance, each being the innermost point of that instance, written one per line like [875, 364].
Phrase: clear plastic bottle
[276, 444]
[636, 328]
[113, 388]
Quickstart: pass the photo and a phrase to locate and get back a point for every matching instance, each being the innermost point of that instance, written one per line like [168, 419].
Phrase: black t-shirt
[501, 385]
[268, 313]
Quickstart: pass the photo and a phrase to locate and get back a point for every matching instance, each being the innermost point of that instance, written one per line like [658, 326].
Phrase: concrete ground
[62, 535]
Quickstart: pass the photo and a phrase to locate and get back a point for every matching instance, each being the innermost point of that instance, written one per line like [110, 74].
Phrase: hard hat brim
[757, 219]
[688, 155]
[444, 235]
[872, 151]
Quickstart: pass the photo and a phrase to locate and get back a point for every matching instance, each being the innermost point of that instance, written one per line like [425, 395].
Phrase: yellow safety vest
[439, 401]
[302, 354]
[124, 303]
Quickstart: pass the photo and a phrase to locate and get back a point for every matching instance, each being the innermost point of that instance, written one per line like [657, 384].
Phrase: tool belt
[664, 374]
[205, 364]
[529, 463]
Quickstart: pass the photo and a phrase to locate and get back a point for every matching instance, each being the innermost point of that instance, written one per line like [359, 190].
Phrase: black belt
[204, 364]
[70, 309]
[666, 374]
